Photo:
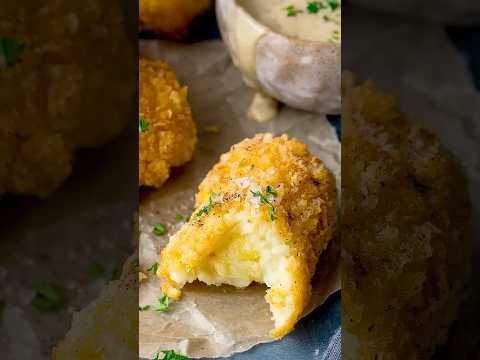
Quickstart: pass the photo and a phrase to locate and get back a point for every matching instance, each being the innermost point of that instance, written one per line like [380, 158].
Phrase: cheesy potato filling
[250, 251]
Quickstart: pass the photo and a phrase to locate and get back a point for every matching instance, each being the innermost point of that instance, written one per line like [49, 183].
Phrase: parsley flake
[11, 50]
[314, 7]
[153, 269]
[95, 269]
[170, 355]
[207, 208]
[264, 199]
[159, 229]
[143, 125]
[292, 10]
[143, 308]
[334, 4]
[270, 191]
[116, 273]
[182, 218]
[162, 303]
[48, 297]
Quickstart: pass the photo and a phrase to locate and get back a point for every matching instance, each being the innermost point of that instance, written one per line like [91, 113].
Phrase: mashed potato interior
[250, 251]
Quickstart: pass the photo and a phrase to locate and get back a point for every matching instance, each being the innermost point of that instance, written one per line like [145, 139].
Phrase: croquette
[405, 215]
[171, 18]
[263, 214]
[107, 328]
[56, 97]
[167, 131]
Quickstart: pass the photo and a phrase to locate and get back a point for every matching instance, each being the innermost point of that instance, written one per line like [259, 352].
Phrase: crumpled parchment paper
[214, 321]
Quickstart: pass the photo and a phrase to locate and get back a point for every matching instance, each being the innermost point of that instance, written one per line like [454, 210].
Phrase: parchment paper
[218, 321]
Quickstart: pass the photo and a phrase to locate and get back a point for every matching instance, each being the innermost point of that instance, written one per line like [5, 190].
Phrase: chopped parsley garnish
[143, 125]
[153, 269]
[159, 229]
[326, 18]
[170, 355]
[48, 297]
[182, 218]
[314, 7]
[11, 50]
[116, 273]
[292, 10]
[95, 269]
[334, 4]
[162, 303]
[264, 199]
[270, 191]
[143, 308]
[207, 208]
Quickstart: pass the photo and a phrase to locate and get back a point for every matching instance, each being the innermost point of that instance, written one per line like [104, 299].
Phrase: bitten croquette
[170, 18]
[166, 128]
[263, 214]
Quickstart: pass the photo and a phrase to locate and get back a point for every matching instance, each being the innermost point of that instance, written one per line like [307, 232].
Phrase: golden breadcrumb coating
[58, 92]
[107, 328]
[169, 134]
[405, 213]
[170, 18]
[263, 214]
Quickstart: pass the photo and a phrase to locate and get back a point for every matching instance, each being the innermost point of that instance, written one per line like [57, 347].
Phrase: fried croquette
[107, 328]
[166, 128]
[56, 97]
[405, 214]
[263, 214]
[171, 18]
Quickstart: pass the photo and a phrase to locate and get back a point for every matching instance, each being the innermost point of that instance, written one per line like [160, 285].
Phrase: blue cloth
[316, 337]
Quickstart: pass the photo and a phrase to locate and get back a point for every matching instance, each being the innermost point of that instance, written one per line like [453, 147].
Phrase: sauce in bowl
[303, 19]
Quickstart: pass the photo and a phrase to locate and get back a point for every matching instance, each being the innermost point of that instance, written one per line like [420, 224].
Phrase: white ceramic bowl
[300, 73]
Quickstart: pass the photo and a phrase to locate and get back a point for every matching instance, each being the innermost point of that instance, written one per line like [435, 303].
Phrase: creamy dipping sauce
[308, 20]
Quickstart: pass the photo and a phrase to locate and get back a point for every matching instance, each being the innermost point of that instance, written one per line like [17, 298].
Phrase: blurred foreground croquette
[404, 243]
[166, 128]
[263, 214]
[170, 18]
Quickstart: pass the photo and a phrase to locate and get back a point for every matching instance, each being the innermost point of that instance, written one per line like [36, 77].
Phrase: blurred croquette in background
[56, 97]
[167, 131]
[170, 18]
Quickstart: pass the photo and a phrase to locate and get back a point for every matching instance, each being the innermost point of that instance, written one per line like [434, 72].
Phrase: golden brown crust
[305, 214]
[170, 135]
[170, 18]
[305, 187]
[403, 237]
[59, 96]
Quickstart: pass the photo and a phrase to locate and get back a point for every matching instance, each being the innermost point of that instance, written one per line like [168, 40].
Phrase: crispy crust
[170, 18]
[405, 212]
[305, 209]
[59, 97]
[171, 135]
